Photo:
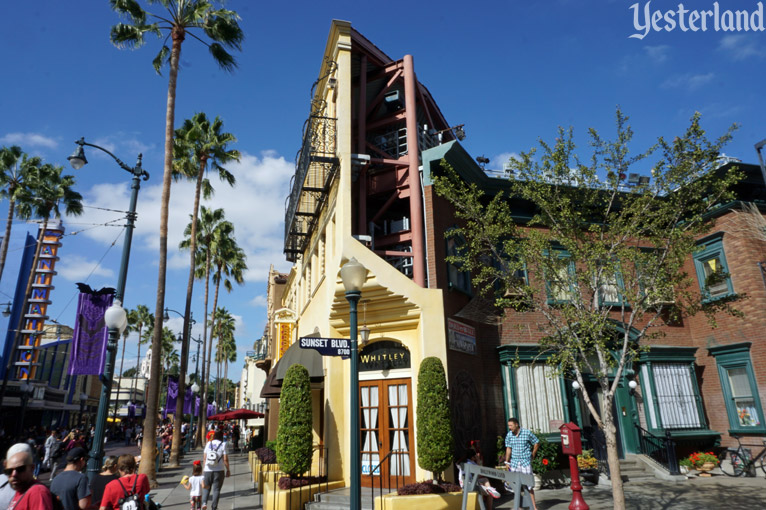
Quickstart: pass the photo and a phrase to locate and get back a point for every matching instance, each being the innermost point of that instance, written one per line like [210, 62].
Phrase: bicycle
[736, 461]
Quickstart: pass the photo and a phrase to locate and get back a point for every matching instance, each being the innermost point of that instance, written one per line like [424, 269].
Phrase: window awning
[309, 358]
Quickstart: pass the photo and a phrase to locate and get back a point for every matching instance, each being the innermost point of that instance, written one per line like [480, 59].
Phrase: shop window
[533, 395]
[712, 269]
[610, 288]
[740, 392]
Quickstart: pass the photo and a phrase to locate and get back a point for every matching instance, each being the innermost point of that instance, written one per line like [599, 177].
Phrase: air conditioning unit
[663, 300]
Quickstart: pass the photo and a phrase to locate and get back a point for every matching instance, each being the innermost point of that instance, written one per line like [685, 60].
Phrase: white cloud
[741, 46]
[255, 206]
[688, 81]
[77, 268]
[259, 301]
[29, 140]
[657, 53]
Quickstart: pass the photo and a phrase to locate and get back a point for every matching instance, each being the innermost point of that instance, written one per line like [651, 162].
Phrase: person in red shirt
[113, 492]
[30, 494]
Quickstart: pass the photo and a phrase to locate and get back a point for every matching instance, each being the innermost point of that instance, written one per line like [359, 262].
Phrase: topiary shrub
[434, 438]
[294, 449]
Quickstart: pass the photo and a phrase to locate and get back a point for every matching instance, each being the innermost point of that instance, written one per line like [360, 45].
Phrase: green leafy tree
[218, 29]
[601, 264]
[199, 144]
[435, 442]
[294, 435]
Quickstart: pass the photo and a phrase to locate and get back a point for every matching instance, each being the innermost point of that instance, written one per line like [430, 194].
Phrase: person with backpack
[129, 491]
[215, 458]
[56, 454]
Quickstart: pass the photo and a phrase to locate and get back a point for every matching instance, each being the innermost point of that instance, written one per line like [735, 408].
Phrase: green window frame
[712, 269]
[672, 399]
[557, 294]
[615, 296]
[740, 390]
[456, 277]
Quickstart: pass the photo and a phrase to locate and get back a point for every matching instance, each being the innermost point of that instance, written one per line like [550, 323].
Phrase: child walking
[194, 484]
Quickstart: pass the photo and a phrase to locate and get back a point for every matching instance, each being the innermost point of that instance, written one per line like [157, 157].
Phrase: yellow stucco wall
[398, 309]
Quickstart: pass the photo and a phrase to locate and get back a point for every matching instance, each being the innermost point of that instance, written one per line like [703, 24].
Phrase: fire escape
[316, 166]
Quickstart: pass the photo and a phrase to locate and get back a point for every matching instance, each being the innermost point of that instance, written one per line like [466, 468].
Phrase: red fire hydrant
[571, 445]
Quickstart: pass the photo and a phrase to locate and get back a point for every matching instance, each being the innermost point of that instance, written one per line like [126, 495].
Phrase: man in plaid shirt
[520, 448]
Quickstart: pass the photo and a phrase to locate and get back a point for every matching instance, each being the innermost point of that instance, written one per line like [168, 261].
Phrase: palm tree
[197, 143]
[224, 332]
[142, 317]
[182, 18]
[45, 191]
[14, 167]
[208, 224]
[228, 259]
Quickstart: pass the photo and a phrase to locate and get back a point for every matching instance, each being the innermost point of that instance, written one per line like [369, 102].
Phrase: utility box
[571, 442]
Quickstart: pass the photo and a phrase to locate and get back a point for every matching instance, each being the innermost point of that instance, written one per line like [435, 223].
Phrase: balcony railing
[316, 165]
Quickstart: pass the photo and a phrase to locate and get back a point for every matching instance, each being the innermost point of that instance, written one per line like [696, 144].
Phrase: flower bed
[287, 482]
[428, 487]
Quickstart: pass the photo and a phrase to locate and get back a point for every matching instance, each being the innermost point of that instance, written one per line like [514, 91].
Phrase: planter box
[261, 474]
[275, 498]
[449, 501]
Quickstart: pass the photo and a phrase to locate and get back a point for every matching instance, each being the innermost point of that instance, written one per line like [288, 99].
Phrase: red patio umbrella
[236, 414]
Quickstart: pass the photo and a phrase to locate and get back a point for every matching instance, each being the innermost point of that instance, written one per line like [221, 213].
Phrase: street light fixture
[7, 310]
[353, 274]
[78, 160]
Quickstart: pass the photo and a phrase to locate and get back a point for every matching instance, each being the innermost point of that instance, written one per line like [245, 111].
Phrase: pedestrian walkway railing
[395, 464]
[316, 481]
[661, 449]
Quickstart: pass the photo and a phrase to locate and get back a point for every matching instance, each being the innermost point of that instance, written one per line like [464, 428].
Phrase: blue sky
[511, 71]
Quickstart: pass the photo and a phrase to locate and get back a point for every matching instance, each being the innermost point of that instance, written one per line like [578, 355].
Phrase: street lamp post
[117, 318]
[26, 390]
[354, 275]
[195, 390]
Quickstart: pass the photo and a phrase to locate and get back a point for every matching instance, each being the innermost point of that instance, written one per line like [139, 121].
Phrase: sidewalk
[694, 494]
[237, 492]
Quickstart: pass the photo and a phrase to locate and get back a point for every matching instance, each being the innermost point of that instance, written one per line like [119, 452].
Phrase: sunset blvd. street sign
[327, 346]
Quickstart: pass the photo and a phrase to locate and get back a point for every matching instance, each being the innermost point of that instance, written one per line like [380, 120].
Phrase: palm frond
[222, 27]
[130, 9]
[161, 59]
[224, 60]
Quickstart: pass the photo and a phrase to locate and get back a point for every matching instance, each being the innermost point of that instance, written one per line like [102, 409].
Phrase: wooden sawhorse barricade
[518, 481]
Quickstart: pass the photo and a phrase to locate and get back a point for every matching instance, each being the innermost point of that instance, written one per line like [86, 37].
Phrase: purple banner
[187, 401]
[196, 406]
[90, 334]
[170, 401]
[131, 410]
[210, 409]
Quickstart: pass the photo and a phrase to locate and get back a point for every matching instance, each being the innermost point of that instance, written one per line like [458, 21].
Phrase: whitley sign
[327, 346]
